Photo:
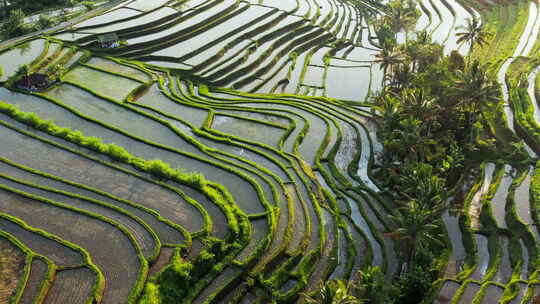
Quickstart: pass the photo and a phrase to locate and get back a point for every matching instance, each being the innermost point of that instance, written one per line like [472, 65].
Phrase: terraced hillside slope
[228, 148]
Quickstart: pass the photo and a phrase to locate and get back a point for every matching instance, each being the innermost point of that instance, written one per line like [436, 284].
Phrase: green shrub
[160, 169]
[14, 25]
[414, 285]
[88, 5]
[174, 281]
[44, 22]
[118, 153]
[373, 287]
[150, 294]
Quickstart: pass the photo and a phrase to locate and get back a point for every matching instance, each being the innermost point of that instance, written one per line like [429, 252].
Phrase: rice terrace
[269, 151]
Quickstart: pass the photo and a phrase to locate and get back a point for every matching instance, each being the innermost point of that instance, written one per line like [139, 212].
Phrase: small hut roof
[110, 37]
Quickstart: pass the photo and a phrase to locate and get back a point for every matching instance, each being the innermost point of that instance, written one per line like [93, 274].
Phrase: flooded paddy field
[246, 135]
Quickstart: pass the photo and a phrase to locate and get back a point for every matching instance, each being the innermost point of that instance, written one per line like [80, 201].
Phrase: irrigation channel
[269, 101]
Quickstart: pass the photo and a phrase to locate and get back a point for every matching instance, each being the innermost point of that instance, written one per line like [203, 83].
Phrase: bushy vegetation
[437, 119]
[38, 5]
[401, 16]
[176, 281]
[368, 286]
[14, 25]
[434, 136]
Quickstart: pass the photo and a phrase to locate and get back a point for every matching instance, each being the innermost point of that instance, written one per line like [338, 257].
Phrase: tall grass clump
[156, 167]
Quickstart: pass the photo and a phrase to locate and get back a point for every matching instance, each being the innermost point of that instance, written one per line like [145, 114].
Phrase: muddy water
[498, 202]
[458, 251]
[521, 49]
[119, 14]
[151, 17]
[447, 291]
[470, 292]
[243, 193]
[359, 220]
[20, 55]
[475, 205]
[248, 129]
[493, 294]
[483, 257]
[505, 268]
[522, 289]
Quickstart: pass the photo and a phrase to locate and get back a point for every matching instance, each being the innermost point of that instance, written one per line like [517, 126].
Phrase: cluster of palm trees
[401, 15]
[429, 114]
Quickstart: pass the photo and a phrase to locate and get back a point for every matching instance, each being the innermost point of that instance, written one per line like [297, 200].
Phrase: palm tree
[421, 183]
[389, 57]
[333, 292]
[410, 139]
[422, 199]
[419, 104]
[473, 33]
[403, 76]
[386, 105]
[415, 227]
[474, 88]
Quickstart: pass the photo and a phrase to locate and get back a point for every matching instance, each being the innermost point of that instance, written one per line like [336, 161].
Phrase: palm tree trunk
[471, 119]
[411, 253]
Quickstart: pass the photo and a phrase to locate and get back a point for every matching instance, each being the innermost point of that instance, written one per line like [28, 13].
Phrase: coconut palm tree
[389, 57]
[422, 199]
[473, 34]
[474, 88]
[422, 183]
[403, 76]
[420, 104]
[415, 227]
[402, 15]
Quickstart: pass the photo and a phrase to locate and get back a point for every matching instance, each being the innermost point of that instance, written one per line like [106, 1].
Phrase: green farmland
[273, 151]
